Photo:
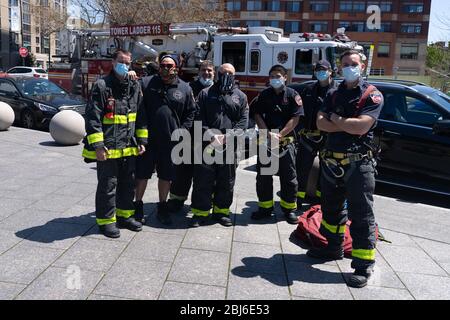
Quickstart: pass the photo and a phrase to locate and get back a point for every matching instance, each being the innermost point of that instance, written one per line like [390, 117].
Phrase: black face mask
[225, 82]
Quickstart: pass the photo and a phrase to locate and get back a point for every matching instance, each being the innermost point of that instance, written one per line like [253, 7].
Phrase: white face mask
[276, 83]
[206, 82]
[351, 74]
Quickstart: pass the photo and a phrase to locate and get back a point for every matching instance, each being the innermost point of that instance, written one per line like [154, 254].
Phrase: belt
[283, 141]
[346, 158]
[310, 133]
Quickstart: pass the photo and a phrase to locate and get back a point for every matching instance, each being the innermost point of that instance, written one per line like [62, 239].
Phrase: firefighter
[310, 138]
[278, 108]
[116, 134]
[349, 115]
[184, 172]
[223, 112]
[169, 105]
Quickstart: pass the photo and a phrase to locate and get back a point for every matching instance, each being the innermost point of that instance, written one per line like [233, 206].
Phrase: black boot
[262, 214]
[109, 230]
[174, 205]
[129, 223]
[223, 219]
[291, 217]
[162, 213]
[359, 278]
[197, 221]
[328, 253]
[139, 212]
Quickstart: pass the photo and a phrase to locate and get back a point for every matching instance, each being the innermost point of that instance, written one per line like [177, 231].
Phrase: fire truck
[86, 54]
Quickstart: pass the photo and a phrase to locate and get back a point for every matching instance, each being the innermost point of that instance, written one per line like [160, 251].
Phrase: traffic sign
[23, 52]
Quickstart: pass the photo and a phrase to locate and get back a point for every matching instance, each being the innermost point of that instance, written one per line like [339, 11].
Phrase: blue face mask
[206, 82]
[322, 75]
[121, 69]
[276, 83]
[351, 74]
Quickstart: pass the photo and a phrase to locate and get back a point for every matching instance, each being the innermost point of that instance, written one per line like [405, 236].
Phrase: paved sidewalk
[48, 237]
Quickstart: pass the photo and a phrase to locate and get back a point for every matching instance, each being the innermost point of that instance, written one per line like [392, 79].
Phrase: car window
[421, 113]
[394, 108]
[20, 70]
[33, 87]
[7, 88]
[40, 71]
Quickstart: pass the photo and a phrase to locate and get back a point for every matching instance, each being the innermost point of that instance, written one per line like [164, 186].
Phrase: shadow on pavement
[54, 144]
[244, 218]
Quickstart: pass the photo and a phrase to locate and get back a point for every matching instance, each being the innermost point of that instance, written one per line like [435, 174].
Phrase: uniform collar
[283, 90]
[360, 85]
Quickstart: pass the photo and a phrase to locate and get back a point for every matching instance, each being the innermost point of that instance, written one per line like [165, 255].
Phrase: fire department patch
[282, 57]
[376, 97]
[178, 95]
[235, 98]
[298, 100]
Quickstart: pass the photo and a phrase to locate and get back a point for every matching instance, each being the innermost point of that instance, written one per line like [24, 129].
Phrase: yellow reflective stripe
[266, 204]
[120, 119]
[112, 153]
[288, 205]
[301, 195]
[95, 137]
[102, 222]
[124, 213]
[364, 254]
[175, 197]
[332, 228]
[89, 154]
[142, 133]
[318, 194]
[223, 211]
[200, 213]
[132, 117]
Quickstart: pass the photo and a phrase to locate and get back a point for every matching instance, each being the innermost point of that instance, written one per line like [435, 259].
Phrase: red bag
[308, 231]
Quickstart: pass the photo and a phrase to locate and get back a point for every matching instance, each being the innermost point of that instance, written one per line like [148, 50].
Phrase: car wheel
[28, 120]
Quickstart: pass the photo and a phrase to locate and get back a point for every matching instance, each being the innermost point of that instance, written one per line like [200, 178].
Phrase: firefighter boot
[291, 217]
[359, 278]
[139, 212]
[327, 253]
[129, 223]
[174, 205]
[262, 213]
[162, 213]
[223, 219]
[110, 230]
[197, 221]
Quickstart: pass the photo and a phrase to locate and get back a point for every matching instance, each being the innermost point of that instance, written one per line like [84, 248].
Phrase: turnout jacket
[115, 119]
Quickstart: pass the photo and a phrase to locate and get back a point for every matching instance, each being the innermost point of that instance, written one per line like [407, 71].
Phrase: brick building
[400, 43]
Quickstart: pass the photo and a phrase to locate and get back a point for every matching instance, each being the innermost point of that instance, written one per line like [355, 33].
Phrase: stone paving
[48, 237]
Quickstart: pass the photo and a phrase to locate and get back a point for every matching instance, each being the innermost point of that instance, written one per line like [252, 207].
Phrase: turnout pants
[307, 152]
[180, 187]
[357, 187]
[115, 189]
[213, 182]
[288, 180]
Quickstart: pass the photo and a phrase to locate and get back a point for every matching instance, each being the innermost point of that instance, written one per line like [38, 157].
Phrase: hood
[59, 100]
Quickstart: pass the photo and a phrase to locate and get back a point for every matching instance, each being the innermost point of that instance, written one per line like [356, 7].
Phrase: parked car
[413, 132]
[36, 100]
[27, 72]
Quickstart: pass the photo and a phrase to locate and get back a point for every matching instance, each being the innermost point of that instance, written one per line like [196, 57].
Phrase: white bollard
[67, 127]
[6, 116]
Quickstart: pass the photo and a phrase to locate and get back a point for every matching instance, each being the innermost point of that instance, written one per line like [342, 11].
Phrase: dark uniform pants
[213, 186]
[357, 187]
[288, 181]
[115, 189]
[179, 189]
[307, 152]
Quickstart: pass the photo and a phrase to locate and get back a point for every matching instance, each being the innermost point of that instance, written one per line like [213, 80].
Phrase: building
[29, 36]
[400, 39]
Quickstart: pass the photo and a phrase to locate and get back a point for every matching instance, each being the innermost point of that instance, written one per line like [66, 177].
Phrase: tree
[438, 58]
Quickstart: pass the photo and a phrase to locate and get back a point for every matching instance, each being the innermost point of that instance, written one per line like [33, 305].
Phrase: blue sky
[439, 8]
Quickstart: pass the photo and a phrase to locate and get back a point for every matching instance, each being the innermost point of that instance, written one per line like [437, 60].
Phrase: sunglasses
[166, 66]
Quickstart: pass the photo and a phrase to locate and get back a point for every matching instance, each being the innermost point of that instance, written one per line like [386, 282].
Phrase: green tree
[438, 58]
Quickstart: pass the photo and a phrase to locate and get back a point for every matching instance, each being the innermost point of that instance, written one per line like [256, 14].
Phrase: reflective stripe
[124, 213]
[95, 137]
[266, 204]
[120, 119]
[200, 213]
[142, 133]
[112, 153]
[223, 211]
[301, 195]
[175, 197]
[318, 194]
[364, 254]
[102, 222]
[332, 228]
[288, 205]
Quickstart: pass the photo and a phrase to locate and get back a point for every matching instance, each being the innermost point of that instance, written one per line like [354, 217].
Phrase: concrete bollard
[67, 127]
[6, 116]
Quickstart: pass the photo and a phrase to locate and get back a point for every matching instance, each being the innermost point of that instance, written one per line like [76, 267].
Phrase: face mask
[276, 83]
[322, 75]
[225, 82]
[351, 74]
[121, 69]
[206, 82]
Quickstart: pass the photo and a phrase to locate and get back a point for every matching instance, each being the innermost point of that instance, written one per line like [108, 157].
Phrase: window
[366, 46]
[384, 6]
[411, 28]
[421, 113]
[273, 6]
[303, 62]
[235, 23]
[293, 6]
[234, 53]
[322, 6]
[7, 88]
[272, 23]
[291, 26]
[345, 6]
[318, 26]
[254, 5]
[383, 50]
[412, 8]
[255, 60]
[359, 7]
[233, 6]
[385, 27]
[253, 23]
[409, 51]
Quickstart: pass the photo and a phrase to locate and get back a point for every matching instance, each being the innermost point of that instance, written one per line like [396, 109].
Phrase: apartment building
[400, 41]
[29, 35]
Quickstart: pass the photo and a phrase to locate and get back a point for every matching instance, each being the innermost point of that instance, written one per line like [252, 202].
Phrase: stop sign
[23, 52]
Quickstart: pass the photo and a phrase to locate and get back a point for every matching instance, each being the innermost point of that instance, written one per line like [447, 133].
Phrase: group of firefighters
[130, 125]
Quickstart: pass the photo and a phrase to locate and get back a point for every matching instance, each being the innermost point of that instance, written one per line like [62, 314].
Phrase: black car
[36, 100]
[414, 135]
